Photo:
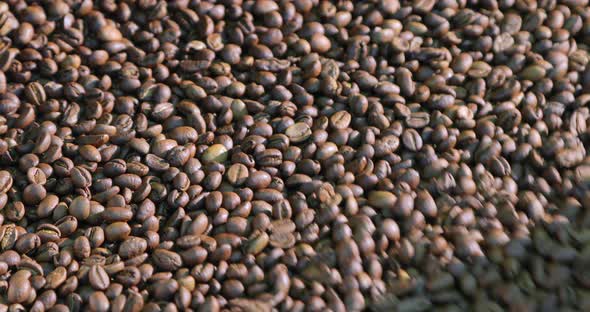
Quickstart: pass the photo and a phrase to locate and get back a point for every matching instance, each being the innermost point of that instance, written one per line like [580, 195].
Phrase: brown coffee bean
[340, 120]
[81, 177]
[36, 176]
[128, 180]
[48, 232]
[56, 277]
[188, 241]
[33, 194]
[90, 153]
[426, 204]
[80, 208]
[237, 174]
[194, 255]
[27, 243]
[166, 260]
[382, 199]
[132, 247]
[19, 287]
[98, 277]
[117, 231]
[98, 302]
[412, 140]
[109, 33]
[5, 181]
[34, 92]
[8, 235]
[114, 214]
[418, 120]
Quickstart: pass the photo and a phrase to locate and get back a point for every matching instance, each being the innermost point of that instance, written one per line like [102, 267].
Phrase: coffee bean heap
[306, 155]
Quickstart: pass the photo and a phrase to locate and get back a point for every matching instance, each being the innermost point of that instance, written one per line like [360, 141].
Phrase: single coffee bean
[412, 140]
[117, 231]
[5, 181]
[80, 208]
[237, 174]
[19, 287]
[36, 176]
[215, 153]
[98, 302]
[340, 120]
[98, 277]
[35, 93]
[56, 278]
[166, 260]
[132, 247]
[90, 153]
[298, 132]
[382, 199]
[33, 194]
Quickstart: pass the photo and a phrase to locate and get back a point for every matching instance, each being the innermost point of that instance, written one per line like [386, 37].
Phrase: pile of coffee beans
[306, 155]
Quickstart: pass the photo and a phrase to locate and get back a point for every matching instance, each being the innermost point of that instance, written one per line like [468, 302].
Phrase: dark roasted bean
[98, 277]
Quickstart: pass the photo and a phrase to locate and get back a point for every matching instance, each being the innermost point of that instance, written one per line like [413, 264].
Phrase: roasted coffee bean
[37, 176]
[98, 302]
[412, 140]
[117, 231]
[298, 132]
[80, 208]
[33, 194]
[132, 247]
[382, 199]
[5, 181]
[19, 287]
[56, 278]
[98, 277]
[166, 260]
[35, 92]
[340, 120]
[237, 174]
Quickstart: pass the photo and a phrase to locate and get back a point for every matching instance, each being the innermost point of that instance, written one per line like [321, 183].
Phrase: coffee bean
[340, 120]
[117, 231]
[19, 287]
[114, 214]
[298, 132]
[36, 176]
[90, 153]
[382, 199]
[166, 260]
[33, 194]
[35, 93]
[418, 120]
[128, 180]
[269, 158]
[80, 208]
[237, 174]
[5, 181]
[132, 247]
[47, 205]
[81, 177]
[98, 277]
[215, 153]
[56, 278]
[412, 140]
[98, 302]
